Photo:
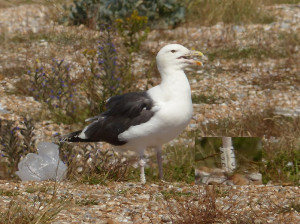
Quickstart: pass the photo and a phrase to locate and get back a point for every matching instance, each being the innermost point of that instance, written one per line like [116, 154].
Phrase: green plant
[171, 194]
[181, 166]
[162, 13]
[207, 99]
[42, 211]
[178, 165]
[55, 89]
[133, 30]
[103, 67]
[281, 158]
[109, 72]
[8, 193]
[65, 96]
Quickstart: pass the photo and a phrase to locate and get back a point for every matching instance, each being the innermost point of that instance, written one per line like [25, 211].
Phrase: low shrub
[162, 13]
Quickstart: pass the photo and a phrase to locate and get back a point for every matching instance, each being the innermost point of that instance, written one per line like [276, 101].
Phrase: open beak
[196, 54]
[190, 57]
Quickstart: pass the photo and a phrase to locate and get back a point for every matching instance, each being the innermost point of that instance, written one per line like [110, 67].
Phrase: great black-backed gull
[137, 120]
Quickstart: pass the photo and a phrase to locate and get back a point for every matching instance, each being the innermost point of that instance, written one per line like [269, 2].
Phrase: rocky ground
[153, 203]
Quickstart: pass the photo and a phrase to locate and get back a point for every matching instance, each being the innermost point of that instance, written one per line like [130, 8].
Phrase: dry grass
[281, 2]
[253, 124]
[43, 209]
[204, 208]
[209, 12]
[280, 162]
[196, 210]
[9, 3]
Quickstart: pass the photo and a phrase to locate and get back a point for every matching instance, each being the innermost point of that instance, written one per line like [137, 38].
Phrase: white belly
[166, 124]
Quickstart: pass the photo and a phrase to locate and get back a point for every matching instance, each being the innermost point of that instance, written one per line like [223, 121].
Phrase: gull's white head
[176, 56]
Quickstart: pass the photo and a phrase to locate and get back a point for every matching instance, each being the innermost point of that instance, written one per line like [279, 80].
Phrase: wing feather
[122, 112]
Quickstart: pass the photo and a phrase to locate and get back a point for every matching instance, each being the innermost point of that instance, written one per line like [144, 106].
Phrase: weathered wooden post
[227, 155]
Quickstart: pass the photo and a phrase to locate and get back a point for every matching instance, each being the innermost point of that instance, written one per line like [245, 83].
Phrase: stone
[255, 176]
[239, 179]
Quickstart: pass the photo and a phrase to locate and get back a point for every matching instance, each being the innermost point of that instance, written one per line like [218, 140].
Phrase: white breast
[173, 111]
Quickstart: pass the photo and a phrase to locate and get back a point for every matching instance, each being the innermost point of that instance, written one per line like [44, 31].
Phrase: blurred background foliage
[171, 13]
[160, 13]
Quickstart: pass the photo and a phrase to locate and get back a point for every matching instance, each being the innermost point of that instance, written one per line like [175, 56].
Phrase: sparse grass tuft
[281, 158]
[266, 124]
[206, 99]
[8, 193]
[171, 194]
[281, 1]
[41, 211]
[286, 47]
[250, 52]
[200, 209]
[205, 207]
[180, 166]
[209, 12]
[15, 142]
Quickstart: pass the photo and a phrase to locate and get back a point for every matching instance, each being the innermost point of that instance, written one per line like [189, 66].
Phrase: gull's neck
[175, 82]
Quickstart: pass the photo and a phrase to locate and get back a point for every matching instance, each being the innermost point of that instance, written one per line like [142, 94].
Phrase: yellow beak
[196, 54]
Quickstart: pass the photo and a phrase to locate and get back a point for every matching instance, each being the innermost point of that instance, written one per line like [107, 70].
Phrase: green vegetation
[178, 166]
[55, 89]
[93, 13]
[281, 161]
[108, 68]
[8, 193]
[207, 99]
[209, 12]
[60, 93]
[18, 212]
[133, 30]
[171, 194]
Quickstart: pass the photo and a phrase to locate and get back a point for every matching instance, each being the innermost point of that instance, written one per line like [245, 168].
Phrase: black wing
[122, 112]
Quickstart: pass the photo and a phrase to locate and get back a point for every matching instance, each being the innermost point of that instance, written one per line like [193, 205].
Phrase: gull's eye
[173, 51]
